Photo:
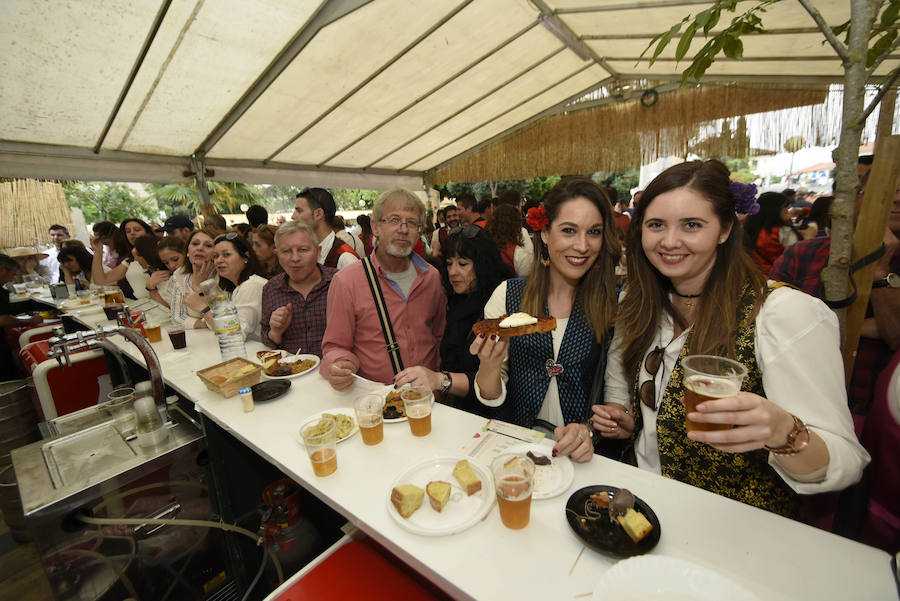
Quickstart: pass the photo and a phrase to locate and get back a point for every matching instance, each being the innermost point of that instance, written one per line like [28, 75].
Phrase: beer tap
[62, 345]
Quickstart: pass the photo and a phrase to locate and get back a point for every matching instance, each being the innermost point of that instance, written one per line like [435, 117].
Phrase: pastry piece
[635, 525]
[538, 459]
[466, 477]
[621, 502]
[438, 494]
[492, 326]
[407, 498]
[601, 499]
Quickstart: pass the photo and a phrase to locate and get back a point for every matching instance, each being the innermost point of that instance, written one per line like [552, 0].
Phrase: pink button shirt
[354, 332]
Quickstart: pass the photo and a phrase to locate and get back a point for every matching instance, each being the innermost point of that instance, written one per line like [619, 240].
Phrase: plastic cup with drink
[176, 336]
[153, 332]
[319, 437]
[370, 418]
[418, 404]
[709, 377]
[513, 479]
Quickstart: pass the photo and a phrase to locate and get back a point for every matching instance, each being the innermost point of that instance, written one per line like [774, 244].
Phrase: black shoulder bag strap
[393, 349]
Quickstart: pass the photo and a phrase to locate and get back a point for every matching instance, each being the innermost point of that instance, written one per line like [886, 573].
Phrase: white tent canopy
[341, 93]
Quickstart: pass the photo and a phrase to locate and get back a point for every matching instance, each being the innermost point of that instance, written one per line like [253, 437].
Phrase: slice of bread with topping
[407, 498]
[438, 494]
[466, 477]
[635, 524]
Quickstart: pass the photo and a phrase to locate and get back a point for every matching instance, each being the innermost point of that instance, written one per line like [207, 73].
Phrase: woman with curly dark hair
[74, 262]
[505, 227]
[471, 270]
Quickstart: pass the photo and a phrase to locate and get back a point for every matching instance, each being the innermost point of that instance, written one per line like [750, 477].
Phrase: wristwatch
[797, 439]
[891, 280]
[446, 382]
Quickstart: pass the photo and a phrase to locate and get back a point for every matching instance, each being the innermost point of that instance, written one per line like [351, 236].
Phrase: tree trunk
[835, 276]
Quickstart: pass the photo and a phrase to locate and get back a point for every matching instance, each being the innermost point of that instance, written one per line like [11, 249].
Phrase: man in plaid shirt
[294, 302]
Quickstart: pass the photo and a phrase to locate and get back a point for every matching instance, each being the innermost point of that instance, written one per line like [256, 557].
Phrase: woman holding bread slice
[548, 378]
[693, 290]
[472, 268]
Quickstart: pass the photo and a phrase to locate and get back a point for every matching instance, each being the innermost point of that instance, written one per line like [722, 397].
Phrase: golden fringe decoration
[616, 136]
[29, 207]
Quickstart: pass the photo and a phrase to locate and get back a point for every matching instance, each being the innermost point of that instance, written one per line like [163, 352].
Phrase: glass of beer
[319, 436]
[513, 479]
[112, 295]
[418, 410]
[709, 377]
[154, 334]
[370, 418]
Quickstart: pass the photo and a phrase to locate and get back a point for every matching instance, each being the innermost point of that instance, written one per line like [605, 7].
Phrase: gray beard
[396, 252]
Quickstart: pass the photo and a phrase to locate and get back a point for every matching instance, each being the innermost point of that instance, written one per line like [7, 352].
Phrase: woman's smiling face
[200, 248]
[574, 239]
[679, 235]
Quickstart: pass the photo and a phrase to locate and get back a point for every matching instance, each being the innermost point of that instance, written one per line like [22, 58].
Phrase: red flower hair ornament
[537, 218]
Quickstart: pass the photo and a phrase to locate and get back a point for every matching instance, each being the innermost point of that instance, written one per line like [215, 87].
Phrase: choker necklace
[690, 302]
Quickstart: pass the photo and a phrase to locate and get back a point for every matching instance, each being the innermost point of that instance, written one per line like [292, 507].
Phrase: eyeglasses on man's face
[397, 222]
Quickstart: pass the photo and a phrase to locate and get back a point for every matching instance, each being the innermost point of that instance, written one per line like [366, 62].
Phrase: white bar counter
[774, 557]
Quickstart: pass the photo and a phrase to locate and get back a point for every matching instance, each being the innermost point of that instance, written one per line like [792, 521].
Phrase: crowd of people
[396, 304]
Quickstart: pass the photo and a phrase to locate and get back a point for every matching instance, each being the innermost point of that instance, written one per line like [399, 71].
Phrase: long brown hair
[505, 226]
[596, 290]
[647, 291]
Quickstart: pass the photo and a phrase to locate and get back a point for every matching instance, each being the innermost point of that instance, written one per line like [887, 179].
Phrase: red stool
[377, 576]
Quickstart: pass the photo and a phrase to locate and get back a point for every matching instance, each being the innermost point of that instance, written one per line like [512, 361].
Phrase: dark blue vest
[528, 357]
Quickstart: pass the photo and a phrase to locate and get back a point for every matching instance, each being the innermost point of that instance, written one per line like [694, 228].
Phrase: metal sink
[86, 456]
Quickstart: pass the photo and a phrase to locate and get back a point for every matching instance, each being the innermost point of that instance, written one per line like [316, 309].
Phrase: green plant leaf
[685, 41]
[733, 48]
[889, 16]
[702, 18]
[713, 20]
[882, 45]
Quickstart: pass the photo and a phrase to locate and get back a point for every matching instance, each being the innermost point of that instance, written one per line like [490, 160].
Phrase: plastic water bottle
[228, 328]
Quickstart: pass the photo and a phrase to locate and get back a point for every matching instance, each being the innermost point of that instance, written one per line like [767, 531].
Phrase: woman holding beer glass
[693, 290]
[549, 377]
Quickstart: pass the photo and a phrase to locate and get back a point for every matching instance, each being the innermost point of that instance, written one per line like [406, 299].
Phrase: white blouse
[798, 353]
[137, 277]
[247, 299]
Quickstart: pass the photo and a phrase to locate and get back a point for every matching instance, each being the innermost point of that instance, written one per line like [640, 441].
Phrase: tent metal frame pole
[512, 108]
[436, 88]
[647, 36]
[329, 12]
[135, 68]
[440, 23]
[518, 75]
[629, 6]
[198, 165]
[547, 13]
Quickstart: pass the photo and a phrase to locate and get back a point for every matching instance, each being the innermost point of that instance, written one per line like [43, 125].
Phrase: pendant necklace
[690, 298]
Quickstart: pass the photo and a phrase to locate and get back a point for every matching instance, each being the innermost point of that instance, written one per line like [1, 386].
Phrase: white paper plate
[658, 578]
[462, 512]
[339, 411]
[549, 480]
[302, 373]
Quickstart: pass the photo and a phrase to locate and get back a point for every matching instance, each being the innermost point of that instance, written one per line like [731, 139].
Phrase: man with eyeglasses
[451, 220]
[315, 207]
[354, 342]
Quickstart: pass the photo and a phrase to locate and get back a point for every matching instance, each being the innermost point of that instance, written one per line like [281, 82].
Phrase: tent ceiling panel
[337, 60]
[509, 62]
[644, 18]
[202, 64]
[770, 68]
[789, 45]
[545, 76]
[63, 67]
[572, 86]
[463, 39]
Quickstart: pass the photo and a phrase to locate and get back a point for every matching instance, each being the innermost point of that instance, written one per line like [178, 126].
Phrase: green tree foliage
[352, 199]
[623, 181]
[531, 188]
[109, 201]
[226, 197]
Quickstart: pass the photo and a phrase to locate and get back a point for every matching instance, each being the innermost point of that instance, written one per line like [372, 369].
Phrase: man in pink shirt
[415, 300]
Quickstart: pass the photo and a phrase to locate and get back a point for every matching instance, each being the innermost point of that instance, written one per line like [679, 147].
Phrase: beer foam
[712, 387]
